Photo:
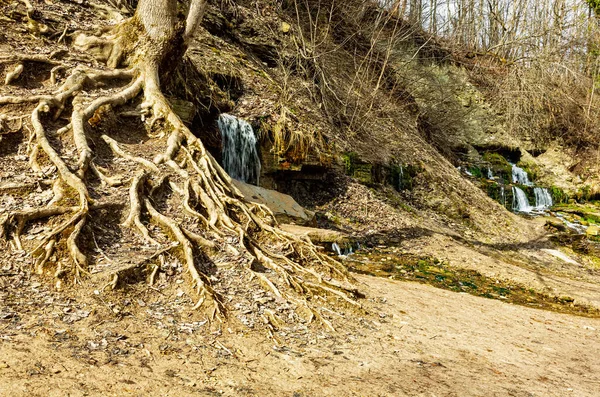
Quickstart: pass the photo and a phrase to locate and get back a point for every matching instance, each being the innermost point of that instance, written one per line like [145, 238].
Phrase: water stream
[520, 202]
[520, 176]
[336, 248]
[543, 198]
[240, 157]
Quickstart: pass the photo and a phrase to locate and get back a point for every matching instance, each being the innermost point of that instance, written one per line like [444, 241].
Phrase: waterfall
[401, 178]
[502, 196]
[240, 157]
[336, 248]
[520, 176]
[543, 199]
[520, 202]
[490, 174]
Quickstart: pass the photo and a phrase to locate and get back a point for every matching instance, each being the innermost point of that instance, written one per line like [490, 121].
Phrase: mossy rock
[499, 165]
[502, 194]
[401, 176]
[356, 168]
[350, 160]
[558, 195]
[587, 193]
[363, 172]
[495, 159]
[532, 170]
[475, 171]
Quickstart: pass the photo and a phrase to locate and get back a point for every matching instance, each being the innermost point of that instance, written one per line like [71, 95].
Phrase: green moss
[532, 170]
[584, 193]
[495, 159]
[357, 168]
[558, 195]
[350, 159]
[594, 5]
[385, 263]
[499, 166]
[529, 192]
[476, 172]
[494, 190]
[363, 172]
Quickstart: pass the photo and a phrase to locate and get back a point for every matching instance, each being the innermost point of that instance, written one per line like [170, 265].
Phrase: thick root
[232, 225]
[200, 282]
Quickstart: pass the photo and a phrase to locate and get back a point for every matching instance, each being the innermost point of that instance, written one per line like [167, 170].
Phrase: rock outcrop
[285, 208]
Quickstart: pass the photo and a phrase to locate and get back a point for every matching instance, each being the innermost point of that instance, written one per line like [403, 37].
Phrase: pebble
[589, 328]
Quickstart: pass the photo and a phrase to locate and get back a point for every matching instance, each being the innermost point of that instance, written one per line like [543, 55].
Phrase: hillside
[466, 180]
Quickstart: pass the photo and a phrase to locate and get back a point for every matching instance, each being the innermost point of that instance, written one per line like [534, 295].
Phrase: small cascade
[240, 157]
[577, 227]
[490, 174]
[543, 199]
[346, 251]
[336, 248]
[401, 178]
[502, 196]
[520, 176]
[520, 202]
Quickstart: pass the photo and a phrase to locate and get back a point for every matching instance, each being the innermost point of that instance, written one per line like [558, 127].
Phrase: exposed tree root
[14, 74]
[229, 223]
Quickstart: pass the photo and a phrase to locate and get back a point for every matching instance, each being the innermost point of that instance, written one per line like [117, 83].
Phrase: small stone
[285, 27]
[592, 230]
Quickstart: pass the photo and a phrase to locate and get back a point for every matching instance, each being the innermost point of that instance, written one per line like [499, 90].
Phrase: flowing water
[520, 176]
[240, 157]
[543, 199]
[520, 202]
[401, 179]
[336, 248]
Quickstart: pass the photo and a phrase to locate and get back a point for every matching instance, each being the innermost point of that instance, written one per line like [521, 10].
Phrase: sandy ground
[422, 341]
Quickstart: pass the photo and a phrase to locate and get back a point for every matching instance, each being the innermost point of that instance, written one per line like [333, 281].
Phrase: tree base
[179, 199]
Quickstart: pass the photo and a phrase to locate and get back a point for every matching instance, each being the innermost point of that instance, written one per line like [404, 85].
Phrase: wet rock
[556, 224]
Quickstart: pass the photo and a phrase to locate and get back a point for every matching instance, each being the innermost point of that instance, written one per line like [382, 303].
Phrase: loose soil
[420, 341]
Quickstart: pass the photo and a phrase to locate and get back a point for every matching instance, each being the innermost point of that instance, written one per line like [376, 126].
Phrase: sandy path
[426, 342]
